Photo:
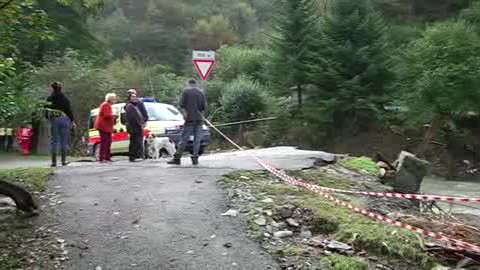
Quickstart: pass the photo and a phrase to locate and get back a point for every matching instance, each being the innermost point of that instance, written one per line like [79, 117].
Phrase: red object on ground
[24, 138]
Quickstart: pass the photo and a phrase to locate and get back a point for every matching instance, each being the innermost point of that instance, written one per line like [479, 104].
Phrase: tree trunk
[300, 96]
[429, 134]
[22, 198]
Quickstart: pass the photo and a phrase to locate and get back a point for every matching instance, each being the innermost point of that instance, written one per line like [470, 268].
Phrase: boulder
[410, 173]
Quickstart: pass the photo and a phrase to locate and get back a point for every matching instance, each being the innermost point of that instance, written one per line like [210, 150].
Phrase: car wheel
[96, 151]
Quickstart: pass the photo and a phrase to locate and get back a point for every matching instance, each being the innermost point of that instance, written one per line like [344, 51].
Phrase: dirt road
[154, 216]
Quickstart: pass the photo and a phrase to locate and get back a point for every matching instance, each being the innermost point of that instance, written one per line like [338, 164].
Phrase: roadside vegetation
[24, 244]
[296, 225]
[405, 65]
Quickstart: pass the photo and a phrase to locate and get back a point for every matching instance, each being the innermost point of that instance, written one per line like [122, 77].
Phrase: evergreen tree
[349, 66]
[294, 23]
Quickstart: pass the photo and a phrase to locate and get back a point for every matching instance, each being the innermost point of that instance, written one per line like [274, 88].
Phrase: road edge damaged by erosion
[27, 243]
[304, 231]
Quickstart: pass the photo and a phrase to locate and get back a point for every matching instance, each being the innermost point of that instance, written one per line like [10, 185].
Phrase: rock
[285, 211]
[95, 204]
[410, 173]
[190, 252]
[283, 234]
[315, 242]
[98, 268]
[338, 246]
[213, 236]
[136, 221]
[292, 222]
[267, 200]
[267, 235]
[279, 225]
[234, 264]
[244, 177]
[325, 159]
[261, 221]
[268, 213]
[382, 172]
[383, 165]
[228, 245]
[269, 229]
[231, 213]
[305, 234]
[198, 181]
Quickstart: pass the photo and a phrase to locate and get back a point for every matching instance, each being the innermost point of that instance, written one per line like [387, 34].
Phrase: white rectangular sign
[204, 55]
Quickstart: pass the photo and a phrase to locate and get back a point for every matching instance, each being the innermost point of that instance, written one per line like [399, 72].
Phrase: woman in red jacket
[104, 124]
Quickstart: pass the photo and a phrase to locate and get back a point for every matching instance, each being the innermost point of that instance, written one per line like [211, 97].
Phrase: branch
[4, 5]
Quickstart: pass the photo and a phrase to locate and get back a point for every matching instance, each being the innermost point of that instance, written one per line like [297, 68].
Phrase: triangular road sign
[204, 67]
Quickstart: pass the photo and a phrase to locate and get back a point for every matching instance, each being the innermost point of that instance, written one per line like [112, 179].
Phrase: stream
[438, 186]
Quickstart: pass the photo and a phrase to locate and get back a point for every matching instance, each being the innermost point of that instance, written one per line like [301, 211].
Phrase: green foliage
[233, 62]
[242, 99]
[294, 24]
[360, 164]
[340, 262]
[350, 66]
[82, 82]
[34, 179]
[440, 72]
[212, 33]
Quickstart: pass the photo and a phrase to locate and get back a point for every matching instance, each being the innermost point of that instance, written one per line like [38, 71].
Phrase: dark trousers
[9, 143]
[135, 148]
[60, 134]
[194, 128]
[2, 142]
[105, 145]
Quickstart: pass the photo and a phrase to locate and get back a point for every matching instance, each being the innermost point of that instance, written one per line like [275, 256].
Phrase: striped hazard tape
[450, 242]
[419, 197]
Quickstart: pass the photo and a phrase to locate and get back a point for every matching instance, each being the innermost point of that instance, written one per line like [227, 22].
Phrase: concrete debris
[231, 213]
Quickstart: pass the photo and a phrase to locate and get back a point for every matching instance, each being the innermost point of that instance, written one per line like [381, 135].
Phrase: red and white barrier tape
[457, 244]
[462, 245]
[419, 197]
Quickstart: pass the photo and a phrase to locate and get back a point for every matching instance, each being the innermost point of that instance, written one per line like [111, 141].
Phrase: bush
[243, 99]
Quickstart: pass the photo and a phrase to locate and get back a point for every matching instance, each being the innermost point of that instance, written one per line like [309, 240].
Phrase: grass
[339, 223]
[20, 241]
[34, 179]
[290, 251]
[361, 164]
[340, 262]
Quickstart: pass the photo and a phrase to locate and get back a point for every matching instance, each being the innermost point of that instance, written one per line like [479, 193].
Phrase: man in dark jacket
[194, 104]
[135, 125]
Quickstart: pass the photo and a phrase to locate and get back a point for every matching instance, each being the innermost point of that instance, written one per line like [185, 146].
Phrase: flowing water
[439, 186]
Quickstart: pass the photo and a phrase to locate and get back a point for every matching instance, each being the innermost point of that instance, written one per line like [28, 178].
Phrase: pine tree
[294, 23]
[349, 65]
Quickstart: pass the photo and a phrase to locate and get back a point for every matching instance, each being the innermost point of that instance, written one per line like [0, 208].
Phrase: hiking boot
[175, 161]
[64, 159]
[54, 161]
[195, 160]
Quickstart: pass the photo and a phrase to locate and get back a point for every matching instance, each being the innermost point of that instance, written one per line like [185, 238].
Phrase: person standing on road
[194, 104]
[104, 124]
[60, 115]
[9, 134]
[3, 138]
[140, 104]
[135, 125]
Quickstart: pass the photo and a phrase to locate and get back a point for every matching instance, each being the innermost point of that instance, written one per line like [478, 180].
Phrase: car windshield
[162, 112]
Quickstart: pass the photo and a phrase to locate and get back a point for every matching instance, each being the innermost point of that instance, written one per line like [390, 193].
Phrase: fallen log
[22, 198]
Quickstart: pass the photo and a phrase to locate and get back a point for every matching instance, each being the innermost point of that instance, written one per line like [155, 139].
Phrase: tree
[237, 61]
[439, 75]
[294, 23]
[212, 33]
[242, 99]
[349, 67]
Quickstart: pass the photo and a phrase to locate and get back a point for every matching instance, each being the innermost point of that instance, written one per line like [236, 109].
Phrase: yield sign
[204, 63]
